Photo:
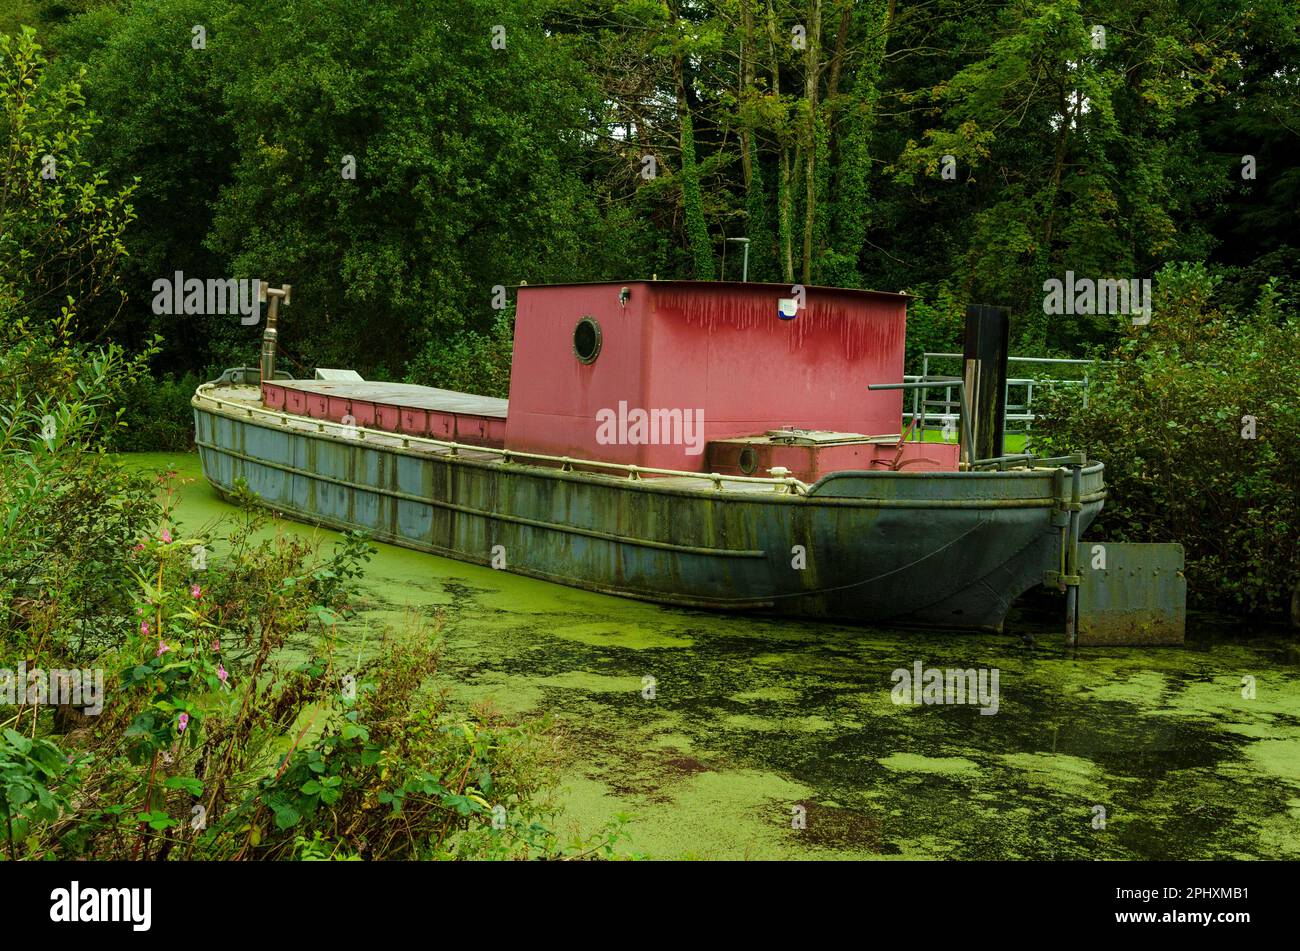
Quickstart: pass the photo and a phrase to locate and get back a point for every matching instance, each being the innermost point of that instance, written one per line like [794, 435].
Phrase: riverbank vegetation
[1197, 417]
[174, 691]
[403, 170]
[177, 691]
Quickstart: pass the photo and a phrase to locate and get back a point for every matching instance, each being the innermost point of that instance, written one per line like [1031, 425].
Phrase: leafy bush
[28, 770]
[935, 323]
[68, 513]
[1171, 417]
[235, 728]
[469, 361]
[157, 416]
[61, 225]
[232, 728]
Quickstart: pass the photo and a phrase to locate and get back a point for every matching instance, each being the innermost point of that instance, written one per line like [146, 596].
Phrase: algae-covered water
[743, 737]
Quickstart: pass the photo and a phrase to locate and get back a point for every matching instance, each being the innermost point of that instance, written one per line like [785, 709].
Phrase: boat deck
[246, 398]
[245, 401]
[404, 395]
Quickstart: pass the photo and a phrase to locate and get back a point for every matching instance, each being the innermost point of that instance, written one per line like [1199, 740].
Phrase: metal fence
[941, 414]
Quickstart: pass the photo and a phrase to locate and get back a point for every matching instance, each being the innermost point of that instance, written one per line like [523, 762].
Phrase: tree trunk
[746, 86]
[698, 244]
[812, 79]
[851, 217]
[837, 58]
[785, 240]
[697, 229]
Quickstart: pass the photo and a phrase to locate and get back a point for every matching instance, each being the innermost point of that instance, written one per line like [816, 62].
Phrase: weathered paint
[394, 407]
[808, 463]
[717, 348]
[1138, 597]
[941, 548]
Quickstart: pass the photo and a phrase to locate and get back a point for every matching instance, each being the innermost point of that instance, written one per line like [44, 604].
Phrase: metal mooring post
[984, 373]
[270, 342]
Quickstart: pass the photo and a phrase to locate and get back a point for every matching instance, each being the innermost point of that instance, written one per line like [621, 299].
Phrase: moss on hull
[752, 720]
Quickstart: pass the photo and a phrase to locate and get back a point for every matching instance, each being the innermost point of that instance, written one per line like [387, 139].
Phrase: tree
[61, 227]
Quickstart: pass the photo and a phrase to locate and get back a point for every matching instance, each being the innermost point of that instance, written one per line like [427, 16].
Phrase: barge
[704, 444]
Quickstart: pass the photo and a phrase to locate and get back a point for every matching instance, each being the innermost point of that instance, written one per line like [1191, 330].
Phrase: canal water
[751, 738]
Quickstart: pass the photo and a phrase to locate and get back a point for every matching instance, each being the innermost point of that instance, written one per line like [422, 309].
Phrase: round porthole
[586, 340]
[748, 460]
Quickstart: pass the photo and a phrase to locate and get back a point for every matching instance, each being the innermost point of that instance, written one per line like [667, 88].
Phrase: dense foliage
[1197, 418]
[960, 151]
[173, 691]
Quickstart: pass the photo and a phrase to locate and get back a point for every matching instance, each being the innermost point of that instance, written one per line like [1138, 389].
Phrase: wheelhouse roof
[702, 285]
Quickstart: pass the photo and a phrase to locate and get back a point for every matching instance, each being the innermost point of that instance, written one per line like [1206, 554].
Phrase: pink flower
[182, 722]
[162, 649]
[222, 675]
[139, 547]
[216, 647]
[144, 628]
[166, 536]
[196, 591]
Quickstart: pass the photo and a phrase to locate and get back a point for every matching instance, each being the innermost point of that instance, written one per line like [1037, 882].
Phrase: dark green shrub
[469, 361]
[1171, 417]
[156, 415]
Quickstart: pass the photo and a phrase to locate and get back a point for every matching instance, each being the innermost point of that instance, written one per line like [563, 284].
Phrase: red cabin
[687, 376]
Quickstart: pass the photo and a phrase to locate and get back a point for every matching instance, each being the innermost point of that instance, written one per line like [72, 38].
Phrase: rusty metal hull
[947, 549]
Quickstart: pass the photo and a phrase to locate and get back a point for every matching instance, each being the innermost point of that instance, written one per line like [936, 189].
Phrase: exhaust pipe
[270, 336]
[984, 378]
